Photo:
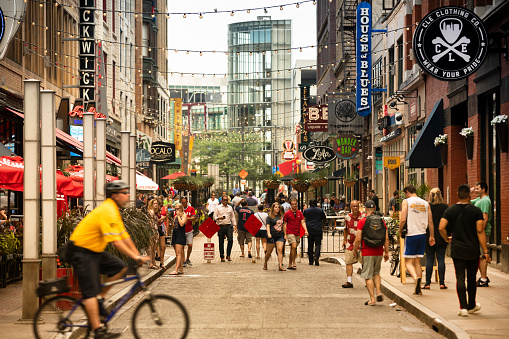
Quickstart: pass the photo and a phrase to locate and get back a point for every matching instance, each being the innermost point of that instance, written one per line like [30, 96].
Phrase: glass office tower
[260, 81]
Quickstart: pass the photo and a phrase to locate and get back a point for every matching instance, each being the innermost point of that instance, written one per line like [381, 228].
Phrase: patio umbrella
[76, 172]
[174, 175]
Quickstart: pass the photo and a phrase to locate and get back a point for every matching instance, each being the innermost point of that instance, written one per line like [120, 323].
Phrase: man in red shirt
[371, 257]
[191, 215]
[294, 219]
[351, 223]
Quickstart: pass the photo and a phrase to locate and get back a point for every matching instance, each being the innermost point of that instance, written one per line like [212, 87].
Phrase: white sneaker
[475, 309]
[463, 312]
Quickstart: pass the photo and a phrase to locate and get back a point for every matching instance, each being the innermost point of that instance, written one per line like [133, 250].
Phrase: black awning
[423, 153]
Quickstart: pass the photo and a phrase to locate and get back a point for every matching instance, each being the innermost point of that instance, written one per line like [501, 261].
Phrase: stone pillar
[100, 180]
[132, 167]
[88, 162]
[49, 185]
[124, 156]
[31, 218]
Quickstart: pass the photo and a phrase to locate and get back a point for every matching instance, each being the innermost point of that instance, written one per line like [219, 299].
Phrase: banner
[178, 124]
[304, 103]
[102, 81]
[343, 118]
[87, 51]
[363, 53]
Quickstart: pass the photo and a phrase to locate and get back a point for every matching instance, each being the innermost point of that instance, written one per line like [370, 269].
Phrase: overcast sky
[211, 32]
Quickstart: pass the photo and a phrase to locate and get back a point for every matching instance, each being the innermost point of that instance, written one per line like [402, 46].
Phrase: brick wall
[455, 172]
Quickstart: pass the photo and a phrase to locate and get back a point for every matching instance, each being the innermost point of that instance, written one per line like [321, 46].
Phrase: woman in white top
[261, 235]
[212, 204]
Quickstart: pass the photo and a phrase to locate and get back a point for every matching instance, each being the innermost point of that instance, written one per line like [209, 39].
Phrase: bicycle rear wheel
[395, 261]
[58, 317]
[160, 316]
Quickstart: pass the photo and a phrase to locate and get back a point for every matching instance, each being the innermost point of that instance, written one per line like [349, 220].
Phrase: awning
[68, 142]
[423, 153]
[144, 183]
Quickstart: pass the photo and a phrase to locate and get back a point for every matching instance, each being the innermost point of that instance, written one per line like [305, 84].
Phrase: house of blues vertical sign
[87, 52]
[363, 53]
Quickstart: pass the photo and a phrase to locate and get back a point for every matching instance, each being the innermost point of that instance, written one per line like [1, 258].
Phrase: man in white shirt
[416, 215]
[212, 203]
[225, 219]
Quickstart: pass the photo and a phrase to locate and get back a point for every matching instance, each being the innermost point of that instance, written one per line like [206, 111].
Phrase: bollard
[253, 249]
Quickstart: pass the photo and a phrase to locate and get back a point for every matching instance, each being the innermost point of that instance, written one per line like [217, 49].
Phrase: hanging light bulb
[232, 14]
[184, 16]
[280, 8]
[297, 5]
[201, 16]
[248, 11]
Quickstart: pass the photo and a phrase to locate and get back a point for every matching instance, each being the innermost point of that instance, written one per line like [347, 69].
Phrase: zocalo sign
[319, 154]
[363, 52]
[162, 152]
[450, 43]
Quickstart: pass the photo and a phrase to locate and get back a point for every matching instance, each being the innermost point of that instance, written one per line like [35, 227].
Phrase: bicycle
[156, 316]
[395, 261]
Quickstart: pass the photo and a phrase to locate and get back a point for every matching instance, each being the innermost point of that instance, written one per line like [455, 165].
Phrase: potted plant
[500, 123]
[319, 180]
[351, 179]
[441, 141]
[468, 133]
[272, 182]
[208, 181]
[181, 183]
[300, 182]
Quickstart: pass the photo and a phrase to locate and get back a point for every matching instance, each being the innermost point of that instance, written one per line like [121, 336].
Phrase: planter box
[10, 269]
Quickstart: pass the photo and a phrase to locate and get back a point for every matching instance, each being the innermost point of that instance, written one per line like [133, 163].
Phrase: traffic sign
[208, 251]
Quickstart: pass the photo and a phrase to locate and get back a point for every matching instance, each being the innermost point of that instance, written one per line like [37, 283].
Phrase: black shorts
[160, 231]
[89, 265]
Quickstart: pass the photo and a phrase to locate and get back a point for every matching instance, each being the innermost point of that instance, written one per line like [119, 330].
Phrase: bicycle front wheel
[160, 316]
[60, 316]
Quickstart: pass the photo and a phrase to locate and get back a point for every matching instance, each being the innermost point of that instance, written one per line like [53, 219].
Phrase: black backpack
[373, 232]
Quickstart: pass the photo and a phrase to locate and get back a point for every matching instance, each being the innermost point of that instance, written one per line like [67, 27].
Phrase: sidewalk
[11, 300]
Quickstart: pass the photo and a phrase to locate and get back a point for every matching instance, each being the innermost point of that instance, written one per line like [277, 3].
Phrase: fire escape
[345, 69]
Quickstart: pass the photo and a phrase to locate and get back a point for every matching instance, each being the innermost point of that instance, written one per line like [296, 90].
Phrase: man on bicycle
[102, 226]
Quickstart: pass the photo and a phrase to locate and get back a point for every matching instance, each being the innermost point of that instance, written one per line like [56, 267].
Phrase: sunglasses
[123, 192]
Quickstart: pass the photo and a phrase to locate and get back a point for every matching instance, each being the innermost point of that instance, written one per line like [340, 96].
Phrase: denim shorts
[276, 239]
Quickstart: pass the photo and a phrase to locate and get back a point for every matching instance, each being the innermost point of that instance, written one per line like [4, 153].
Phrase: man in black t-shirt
[465, 222]
[374, 197]
[243, 235]
[315, 219]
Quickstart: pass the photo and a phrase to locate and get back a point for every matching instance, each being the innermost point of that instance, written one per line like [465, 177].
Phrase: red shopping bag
[253, 225]
[209, 227]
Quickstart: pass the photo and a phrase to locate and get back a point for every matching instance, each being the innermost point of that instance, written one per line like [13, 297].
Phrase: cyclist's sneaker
[102, 310]
[102, 333]
[189, 263]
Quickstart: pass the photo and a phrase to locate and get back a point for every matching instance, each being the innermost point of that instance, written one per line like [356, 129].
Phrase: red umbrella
[12, 170]
[174, 175]
[76, 172]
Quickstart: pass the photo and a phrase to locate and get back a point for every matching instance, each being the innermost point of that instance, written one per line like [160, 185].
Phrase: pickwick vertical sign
[87, 52]
[363, 53]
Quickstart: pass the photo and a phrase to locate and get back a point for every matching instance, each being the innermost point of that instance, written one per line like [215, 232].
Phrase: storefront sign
[391, 162]
[316, 118]
[302, 147]
[178, 124]
[344, 118]
[87, 50]
[77, 111]
[412, 116]
[304, 103]
[391, 135]
[363, 52]
[162, 152]
[143, 141]
[346, 146]
[288, 155]
[113, 135]
[450, 43]
[288, 145]
[319, 154]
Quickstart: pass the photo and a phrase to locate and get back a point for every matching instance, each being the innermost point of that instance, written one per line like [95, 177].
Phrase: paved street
[239, 300]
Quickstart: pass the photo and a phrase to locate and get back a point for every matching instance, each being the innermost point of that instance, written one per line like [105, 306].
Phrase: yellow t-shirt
[100, 227]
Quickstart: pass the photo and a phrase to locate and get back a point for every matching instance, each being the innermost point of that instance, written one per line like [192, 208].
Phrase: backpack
[373, 232]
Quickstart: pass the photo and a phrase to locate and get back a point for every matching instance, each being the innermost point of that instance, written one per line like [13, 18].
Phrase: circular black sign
[345, 111]
[319, 154]
[450, 43]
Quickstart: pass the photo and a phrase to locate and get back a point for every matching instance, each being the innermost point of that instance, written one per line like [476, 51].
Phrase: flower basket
[193, 187]
[207, 184]
[271, 184]
[443, 154]
[469, 146]
[349, 183]
[502, 136]
[300, 187]
[180, 186]
[319, 183]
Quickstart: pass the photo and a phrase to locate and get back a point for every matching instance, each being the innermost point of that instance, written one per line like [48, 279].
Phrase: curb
[424, 314]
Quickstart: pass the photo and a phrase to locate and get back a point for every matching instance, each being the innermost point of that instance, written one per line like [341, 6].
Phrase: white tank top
[417, 219]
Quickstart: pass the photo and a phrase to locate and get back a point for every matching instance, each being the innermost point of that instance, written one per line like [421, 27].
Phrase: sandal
[162, 266]
[264, 267]
[443, 287]
[426, 287]
[242, 256]
[181, 272]
[258, 257]
[153, 267]
[291, 268]
[174, 273]
[368, 304]
[282, 269]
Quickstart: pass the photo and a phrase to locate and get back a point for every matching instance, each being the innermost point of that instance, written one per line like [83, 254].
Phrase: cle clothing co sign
[450, 43]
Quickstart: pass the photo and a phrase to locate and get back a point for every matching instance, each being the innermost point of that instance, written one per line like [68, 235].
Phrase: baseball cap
[369, 204]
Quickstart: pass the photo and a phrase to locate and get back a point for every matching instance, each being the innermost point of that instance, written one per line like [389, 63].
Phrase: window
[377, 79]
[400, 62]
[391, 71]
[105, 15]
[113, 77]
[145, 40]
[113, 15]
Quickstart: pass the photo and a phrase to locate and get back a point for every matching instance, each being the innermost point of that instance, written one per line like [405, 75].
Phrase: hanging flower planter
[349, 183]
[469, 146]
[271, 184]
[500, 123]
[300, 187]
[319, 183]
[443, 153]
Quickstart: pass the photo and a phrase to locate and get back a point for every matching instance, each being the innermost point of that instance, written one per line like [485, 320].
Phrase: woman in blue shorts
[276, 234]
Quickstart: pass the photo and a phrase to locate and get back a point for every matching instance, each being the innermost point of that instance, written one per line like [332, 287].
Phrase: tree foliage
[233, 152]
